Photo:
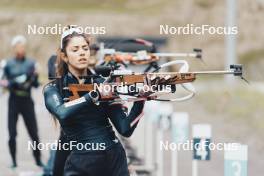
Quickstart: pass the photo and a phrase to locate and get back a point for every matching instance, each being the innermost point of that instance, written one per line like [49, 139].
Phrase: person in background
[19, 77]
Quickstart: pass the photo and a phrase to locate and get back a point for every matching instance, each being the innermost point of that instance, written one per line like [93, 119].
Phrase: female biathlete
[95, 148]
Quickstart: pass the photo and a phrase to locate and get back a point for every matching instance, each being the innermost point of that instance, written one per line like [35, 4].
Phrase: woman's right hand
[105, 91]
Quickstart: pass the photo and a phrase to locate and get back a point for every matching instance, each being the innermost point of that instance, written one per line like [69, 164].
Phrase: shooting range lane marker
[201, 131]
[179, 134]
[202, 134]
[236, 159]
[165, 110]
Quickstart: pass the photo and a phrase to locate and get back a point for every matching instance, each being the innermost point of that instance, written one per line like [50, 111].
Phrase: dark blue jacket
[82, 120]
[21, 76]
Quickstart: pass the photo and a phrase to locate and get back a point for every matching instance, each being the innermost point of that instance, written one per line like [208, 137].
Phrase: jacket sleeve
[33, 75]
[34, 80]
[56, 106]
[4, 72]
[125, 124]
[6, 75]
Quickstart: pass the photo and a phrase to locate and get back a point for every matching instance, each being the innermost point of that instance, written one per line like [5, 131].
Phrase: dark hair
[62, 67]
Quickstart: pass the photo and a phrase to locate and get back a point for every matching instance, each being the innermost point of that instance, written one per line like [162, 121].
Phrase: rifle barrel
[159, 54]
[214, 72]
[197, 73]
[175, 54]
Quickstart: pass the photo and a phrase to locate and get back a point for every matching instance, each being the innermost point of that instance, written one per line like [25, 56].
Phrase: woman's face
[78, 53]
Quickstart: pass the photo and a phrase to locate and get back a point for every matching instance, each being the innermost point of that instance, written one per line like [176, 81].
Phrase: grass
[254, 62]
[205, 3]
[245, 105]
[251, 56]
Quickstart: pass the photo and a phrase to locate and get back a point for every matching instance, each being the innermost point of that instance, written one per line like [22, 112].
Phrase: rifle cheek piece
[103, 70]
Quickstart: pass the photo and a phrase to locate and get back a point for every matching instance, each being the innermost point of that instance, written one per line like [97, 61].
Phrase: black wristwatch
[95, 97]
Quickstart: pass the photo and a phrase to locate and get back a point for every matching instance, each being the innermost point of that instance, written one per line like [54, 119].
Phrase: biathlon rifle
[160, 84]
[142, 56]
